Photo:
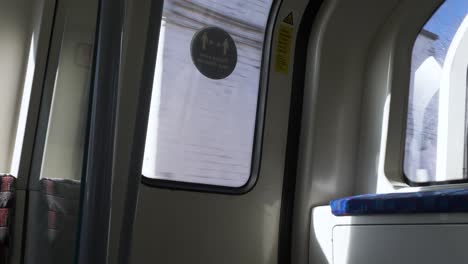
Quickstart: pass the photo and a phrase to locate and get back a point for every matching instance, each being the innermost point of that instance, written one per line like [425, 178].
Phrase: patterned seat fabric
[441, 201]
[61, 207]
[7, 205]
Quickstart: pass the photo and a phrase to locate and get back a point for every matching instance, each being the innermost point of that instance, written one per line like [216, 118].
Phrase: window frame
[259, 119]
[398, 82]
[43, 57]
[47, 95]
[405, 177]
[48, 88]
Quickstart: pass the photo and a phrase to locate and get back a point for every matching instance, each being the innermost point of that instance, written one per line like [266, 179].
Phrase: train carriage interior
[233, 131]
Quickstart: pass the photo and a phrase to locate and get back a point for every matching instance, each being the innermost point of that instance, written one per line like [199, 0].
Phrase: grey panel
[402, 244]
[336, 64]
[183, 227]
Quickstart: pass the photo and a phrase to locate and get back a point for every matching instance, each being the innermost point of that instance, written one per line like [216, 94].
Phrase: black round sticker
[214, 53]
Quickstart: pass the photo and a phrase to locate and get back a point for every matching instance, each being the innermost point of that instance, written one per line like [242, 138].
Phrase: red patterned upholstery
[60, 209]
[7, 205]
[4, 217]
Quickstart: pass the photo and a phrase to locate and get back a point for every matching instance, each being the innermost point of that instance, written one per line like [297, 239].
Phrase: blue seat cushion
[440, 201]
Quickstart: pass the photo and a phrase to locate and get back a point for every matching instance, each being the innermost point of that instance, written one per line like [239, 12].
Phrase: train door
[55, 121]
[52, 133]
[129, 105]
[206, 150]
[216, 133]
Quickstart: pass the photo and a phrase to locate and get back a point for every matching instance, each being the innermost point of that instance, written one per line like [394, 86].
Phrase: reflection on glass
[436, 124]
[201, 130]
[63, 154]
[54, 209]
[18, 50]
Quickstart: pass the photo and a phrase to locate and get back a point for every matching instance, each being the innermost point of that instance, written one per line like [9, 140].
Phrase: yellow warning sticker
[289, 19]
[283, 47]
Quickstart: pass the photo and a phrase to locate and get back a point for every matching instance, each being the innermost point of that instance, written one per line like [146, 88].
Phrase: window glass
[437, 125]
[54, 207]
[65, 140]
[205, 92]
[19, 22]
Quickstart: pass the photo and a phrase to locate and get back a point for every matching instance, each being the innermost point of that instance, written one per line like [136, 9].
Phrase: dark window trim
[139, 138]
[294, 131]
[96, 191]
[432, 183]
[259, 126]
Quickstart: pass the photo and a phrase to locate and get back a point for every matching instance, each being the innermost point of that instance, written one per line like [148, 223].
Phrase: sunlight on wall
[151, 147]
[383, 184]
[24, 109]
[452, 108]
[323, 222]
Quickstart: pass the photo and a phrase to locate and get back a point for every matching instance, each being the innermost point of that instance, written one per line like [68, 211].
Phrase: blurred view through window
[201, 129]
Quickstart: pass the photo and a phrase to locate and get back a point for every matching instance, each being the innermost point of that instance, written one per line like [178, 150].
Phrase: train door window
[65, 139]
[436, 133]
[60, 142]
[205, 102]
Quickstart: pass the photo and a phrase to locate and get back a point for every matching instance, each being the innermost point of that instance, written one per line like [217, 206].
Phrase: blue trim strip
[441, 201]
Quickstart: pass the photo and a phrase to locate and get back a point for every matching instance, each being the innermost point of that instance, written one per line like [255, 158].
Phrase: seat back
[60, 209]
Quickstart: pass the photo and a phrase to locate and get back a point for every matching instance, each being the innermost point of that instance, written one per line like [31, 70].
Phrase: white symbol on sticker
[225, 46]
[204, 41]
